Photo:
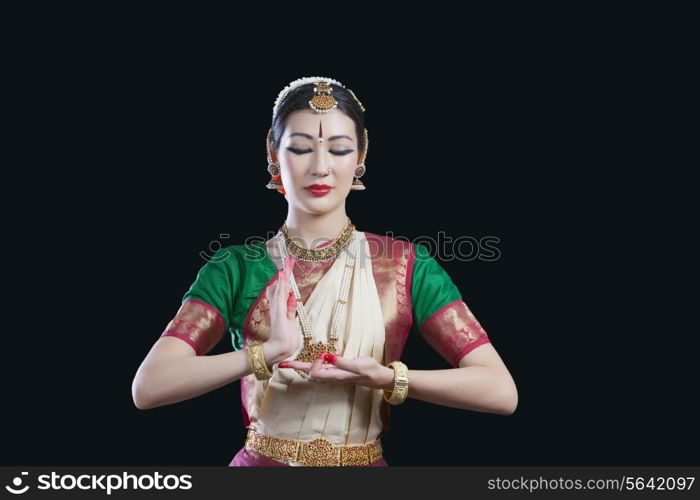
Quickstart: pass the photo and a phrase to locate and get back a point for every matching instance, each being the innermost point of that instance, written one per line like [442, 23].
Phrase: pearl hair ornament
[322, 91]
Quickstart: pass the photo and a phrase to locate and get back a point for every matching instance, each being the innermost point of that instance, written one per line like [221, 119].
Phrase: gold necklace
[310, 350]
[313, 254]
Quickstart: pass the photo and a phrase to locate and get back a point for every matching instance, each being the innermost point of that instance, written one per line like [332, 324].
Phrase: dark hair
[298, 98]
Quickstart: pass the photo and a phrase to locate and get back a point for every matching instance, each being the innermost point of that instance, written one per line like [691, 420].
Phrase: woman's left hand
[363, 370]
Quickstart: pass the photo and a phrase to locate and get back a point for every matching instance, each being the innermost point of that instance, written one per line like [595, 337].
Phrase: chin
[319, 206]
[318, 209]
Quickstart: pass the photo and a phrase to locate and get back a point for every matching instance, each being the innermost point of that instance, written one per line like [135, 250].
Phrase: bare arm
[480, 383]
[172, 372]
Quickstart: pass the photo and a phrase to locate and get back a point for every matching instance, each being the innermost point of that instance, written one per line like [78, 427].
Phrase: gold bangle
[256, 358]
[400, 392]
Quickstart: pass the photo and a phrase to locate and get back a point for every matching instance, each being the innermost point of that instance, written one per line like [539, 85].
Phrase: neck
[313, 230]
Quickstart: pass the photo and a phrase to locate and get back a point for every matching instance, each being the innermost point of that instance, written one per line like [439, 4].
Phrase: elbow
[509, 405]
[138, 395]
[141, 405]
[508, 400]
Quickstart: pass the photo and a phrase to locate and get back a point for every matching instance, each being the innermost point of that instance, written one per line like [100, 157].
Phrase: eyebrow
[330, 138]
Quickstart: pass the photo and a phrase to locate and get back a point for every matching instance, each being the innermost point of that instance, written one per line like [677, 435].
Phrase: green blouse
[228, 284]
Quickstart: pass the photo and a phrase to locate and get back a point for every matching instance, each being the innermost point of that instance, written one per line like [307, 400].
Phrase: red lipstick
[319, 189]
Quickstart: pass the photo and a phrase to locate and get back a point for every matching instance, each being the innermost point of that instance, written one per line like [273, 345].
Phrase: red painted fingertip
[330, 357]
[284, 364]
[320, 356]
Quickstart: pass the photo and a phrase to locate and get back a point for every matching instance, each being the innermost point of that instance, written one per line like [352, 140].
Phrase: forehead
[333, 122]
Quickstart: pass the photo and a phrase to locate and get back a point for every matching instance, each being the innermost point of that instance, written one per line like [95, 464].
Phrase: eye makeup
[336, 152]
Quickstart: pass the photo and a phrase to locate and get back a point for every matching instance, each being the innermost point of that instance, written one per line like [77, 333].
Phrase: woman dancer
[319, 313]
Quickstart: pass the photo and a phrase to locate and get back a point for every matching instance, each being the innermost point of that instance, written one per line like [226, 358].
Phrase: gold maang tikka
[323, 101]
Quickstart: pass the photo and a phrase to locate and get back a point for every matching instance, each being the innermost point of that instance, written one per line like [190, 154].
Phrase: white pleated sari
[289, 406]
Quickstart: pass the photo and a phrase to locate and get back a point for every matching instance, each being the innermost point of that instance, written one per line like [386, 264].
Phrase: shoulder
[223, 257]
[401, 249]
[234, 258]
[388, 247]
[234, 253]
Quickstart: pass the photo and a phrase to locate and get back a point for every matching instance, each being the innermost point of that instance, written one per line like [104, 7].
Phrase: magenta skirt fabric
[248, 458]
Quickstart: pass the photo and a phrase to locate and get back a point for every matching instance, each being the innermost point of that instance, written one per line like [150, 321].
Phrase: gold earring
[273, 168]
[357, 184]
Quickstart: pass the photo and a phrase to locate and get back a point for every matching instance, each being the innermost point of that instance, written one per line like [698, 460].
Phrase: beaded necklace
[310, 351]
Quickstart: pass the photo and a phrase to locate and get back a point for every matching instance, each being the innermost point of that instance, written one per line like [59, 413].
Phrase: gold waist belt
[319, 452]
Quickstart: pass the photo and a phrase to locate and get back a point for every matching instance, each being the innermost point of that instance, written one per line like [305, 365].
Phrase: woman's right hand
[284, 326]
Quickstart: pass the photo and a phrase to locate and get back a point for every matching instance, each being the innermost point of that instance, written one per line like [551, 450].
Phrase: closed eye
[334, 151]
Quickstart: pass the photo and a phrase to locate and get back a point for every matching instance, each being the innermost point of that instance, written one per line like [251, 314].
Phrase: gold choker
[325, 253]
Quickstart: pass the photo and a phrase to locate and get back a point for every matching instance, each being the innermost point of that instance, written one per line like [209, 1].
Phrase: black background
[140, 142]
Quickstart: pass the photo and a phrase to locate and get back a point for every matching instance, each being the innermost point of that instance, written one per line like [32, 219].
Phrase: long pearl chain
[311, 351]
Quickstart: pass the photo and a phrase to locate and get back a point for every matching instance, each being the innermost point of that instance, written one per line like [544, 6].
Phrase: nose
[319, 167]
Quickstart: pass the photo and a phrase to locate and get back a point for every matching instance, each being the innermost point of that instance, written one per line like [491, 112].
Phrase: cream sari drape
[289, 406]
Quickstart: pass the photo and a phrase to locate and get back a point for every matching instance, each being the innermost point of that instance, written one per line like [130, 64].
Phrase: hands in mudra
[284, 326]
[285, 336]
[363, 370]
